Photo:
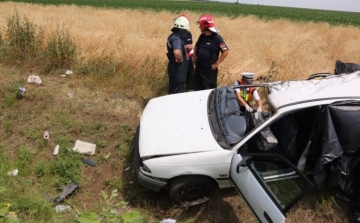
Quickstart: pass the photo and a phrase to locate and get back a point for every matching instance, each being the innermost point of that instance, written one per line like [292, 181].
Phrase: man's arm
[194, 57]
[259, 104]
[178, 56]
[258, 100]
[221, 59]
[189, 47]
[243, 102]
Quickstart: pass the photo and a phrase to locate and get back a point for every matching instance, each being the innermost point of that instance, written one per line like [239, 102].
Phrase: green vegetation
[40, 173]
[226, 9]
[91, 116]
[24, 118]
[26, 46]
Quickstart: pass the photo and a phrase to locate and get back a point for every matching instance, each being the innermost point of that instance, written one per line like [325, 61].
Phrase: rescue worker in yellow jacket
[246, 95]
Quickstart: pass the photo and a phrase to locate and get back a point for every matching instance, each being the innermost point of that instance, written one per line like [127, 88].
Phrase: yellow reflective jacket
[248, 95]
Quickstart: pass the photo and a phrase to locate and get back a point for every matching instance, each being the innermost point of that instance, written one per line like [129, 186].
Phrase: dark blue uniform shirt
[186, 37]
[175, 43]
[208, 49]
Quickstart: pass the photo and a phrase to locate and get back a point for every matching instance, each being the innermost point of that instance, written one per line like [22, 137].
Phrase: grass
[114, 74]
[31, 154]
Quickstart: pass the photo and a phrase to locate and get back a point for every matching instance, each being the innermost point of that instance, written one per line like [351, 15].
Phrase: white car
[193, 142]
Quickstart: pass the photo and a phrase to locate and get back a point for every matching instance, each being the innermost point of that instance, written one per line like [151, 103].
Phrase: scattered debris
[69, 72]
[20, 93]
[88, 162]
[13, 172]
[115, 95]
[62, 208]
[34, 79]
[168, 221]
[84, 147]
[22, 90]
[192, 203]
[56, 150]
[46, 135]
[107, 156]
[66, 191]
[127, 168]
[70, 95]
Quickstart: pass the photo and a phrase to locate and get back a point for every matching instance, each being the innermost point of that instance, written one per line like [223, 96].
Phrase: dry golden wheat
[137, 36]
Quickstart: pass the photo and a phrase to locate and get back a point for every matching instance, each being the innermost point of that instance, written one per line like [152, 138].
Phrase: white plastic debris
[34, 79]
[62, 208]
[69, 72]
[46, 135]
[13, 173]
[56, 150]
[22, 90]
[62, 75]
[168, 221]
[70, 95]
[84, 147]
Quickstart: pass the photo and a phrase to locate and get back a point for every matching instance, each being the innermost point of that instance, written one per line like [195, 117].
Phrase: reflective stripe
[249, 94]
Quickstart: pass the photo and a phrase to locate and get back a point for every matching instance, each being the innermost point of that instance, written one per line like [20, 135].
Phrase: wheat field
[294, 50]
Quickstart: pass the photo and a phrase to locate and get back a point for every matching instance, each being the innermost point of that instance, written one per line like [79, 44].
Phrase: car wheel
[190, 189]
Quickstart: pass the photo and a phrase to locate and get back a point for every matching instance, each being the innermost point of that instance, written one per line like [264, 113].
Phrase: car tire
[190, 189]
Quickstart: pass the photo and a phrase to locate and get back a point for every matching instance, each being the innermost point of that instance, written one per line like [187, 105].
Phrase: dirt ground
[117, 171]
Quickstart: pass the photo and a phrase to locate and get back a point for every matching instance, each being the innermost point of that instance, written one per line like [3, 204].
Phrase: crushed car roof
[299, 91]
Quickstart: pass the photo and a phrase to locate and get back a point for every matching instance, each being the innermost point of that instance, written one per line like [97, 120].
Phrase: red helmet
[207, 22]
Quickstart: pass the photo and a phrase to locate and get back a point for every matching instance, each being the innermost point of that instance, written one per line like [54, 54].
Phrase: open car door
[269, 183]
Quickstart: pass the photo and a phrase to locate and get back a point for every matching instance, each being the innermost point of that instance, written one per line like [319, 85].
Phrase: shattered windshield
[229, 125]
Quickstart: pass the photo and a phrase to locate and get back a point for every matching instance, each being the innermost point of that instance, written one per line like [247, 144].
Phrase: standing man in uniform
[177, 55]
[246, 95]
[186, 37]
[207, 50]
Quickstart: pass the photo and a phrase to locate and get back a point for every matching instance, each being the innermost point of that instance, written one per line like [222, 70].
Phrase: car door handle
[267, 217]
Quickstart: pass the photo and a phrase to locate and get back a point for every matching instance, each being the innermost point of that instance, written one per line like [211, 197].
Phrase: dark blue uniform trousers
[177, 76]
[205, 78]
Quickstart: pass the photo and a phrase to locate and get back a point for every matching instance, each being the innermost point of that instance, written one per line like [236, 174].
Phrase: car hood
[176, 124]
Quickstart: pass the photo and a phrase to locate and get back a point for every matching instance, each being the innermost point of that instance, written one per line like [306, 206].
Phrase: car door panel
[267, 184]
